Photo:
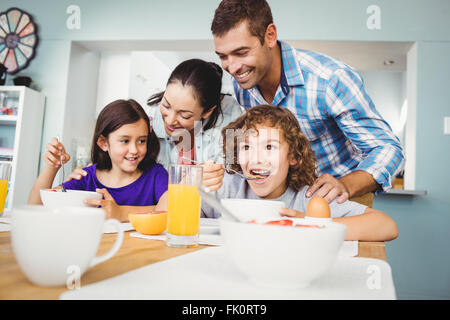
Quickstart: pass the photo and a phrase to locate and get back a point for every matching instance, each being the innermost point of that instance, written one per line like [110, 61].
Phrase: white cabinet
[20, 140]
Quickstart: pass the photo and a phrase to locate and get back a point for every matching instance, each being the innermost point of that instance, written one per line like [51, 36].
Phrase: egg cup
[318, 221]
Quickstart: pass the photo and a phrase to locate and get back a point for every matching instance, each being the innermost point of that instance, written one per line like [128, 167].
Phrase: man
[356, 150]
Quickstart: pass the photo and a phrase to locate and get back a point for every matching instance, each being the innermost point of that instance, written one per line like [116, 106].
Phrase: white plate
[126, 226]
[209, 226]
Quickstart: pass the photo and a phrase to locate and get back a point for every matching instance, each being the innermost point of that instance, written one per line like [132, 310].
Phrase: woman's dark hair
[205, 78]
[112, 117]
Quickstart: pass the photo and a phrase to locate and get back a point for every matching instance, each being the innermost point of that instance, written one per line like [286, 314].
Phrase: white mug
[50, 244]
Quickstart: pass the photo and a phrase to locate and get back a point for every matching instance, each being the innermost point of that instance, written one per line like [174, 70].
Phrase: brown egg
[318, 208]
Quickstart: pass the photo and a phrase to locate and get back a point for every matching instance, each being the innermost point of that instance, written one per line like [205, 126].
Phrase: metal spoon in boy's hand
[227, 168]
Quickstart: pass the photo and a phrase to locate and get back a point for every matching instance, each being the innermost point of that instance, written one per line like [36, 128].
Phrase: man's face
[243, 56]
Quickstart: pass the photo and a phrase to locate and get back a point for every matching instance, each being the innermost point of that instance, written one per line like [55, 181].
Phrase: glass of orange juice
[183, 219]
[5, 172]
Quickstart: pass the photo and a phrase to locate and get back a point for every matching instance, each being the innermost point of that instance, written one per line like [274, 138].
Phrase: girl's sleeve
[161, 182]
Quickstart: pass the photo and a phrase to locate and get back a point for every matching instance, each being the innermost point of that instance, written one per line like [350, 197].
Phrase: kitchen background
[126, 49]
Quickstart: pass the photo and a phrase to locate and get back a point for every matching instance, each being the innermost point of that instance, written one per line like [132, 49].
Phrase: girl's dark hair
[205, 78]
[112, 117]
[301, 174]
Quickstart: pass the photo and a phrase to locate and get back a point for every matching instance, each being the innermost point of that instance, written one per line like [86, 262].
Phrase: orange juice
[3, 191]
[184, 210]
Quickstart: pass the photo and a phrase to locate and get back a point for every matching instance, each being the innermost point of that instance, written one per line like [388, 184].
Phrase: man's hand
[329, 188]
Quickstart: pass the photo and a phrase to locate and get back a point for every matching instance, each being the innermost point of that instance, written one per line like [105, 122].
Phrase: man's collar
[291, 68]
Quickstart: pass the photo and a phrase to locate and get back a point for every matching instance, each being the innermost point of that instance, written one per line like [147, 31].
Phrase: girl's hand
[77, 174]
[292, 213]
[55, 154]
[213, 174]
[112, 209]
[163, 202]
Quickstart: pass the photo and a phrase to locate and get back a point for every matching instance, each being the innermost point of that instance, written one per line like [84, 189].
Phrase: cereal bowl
[285, 257]
[253, 209]
[52, 198]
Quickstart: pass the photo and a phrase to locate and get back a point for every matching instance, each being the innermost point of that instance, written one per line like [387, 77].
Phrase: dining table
[133, 254]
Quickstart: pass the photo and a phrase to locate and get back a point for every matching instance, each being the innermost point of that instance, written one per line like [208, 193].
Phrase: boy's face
[265, 152]
[243, 56]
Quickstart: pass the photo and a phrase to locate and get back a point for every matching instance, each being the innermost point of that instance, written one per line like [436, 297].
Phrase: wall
[386, 90]
[49, 71]
[411, 119]
[419, 257]
[79, 117]
[151, 69]
[113, 78]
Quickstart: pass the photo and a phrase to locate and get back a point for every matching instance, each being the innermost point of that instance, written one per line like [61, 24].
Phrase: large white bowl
[71, 198]
[282, 256]
[253, 209]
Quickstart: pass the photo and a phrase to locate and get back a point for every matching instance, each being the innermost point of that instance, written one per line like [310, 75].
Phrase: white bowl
[282, 256]
[71, 198]
[253, 209]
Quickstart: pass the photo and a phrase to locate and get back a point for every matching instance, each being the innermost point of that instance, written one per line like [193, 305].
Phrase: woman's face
[180, 109]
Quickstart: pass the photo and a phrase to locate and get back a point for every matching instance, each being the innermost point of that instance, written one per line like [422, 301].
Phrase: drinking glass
[183, 218]
[5, 173]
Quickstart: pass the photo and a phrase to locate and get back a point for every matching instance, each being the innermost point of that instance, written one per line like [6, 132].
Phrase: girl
[124, 170]
[268, 141]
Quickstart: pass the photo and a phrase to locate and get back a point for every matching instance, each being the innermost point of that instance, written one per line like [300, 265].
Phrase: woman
[191, 114]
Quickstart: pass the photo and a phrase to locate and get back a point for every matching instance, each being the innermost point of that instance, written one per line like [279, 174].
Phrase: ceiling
[362, 55]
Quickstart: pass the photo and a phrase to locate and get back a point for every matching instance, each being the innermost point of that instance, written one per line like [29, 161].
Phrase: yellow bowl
[149, 223]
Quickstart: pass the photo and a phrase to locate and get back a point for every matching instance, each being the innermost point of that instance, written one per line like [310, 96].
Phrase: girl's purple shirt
[145, 191]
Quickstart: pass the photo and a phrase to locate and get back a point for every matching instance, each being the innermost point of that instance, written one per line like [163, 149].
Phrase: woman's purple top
[145, 191]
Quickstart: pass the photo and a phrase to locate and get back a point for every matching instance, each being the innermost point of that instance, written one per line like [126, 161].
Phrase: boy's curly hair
[299, 175]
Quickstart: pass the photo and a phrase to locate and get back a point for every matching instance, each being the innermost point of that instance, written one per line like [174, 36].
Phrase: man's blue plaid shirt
[335, 113]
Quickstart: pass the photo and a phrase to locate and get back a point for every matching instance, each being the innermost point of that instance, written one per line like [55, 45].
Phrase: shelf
[402, 192]
[21, 139]
[8, 120]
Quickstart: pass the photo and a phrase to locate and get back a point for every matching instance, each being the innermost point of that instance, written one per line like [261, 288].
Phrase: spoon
[227, 168]
[209, 199]
[63, 189]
